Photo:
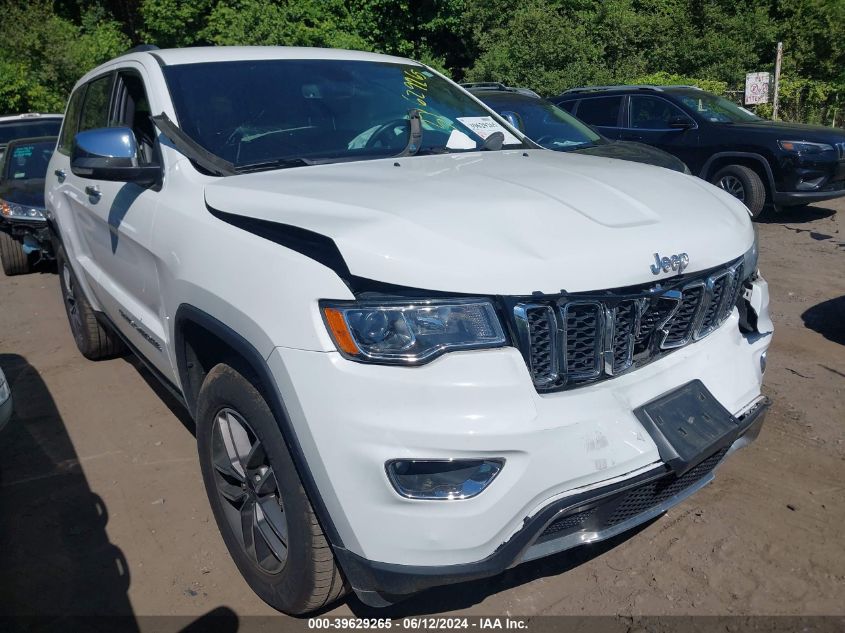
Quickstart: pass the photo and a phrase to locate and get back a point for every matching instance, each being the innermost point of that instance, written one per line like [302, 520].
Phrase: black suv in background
[553, 128]
[761, 162]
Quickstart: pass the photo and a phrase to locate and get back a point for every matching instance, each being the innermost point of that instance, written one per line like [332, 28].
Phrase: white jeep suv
[418, 348]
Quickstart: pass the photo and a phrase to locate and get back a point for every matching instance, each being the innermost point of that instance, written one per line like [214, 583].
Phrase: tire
[744, 184]
[92, 338]
[15, 261]
[238, 441]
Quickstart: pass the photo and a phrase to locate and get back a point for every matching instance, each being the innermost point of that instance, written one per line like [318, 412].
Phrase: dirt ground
[102, 509]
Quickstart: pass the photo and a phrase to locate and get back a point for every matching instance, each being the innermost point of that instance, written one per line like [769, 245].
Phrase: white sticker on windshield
[484, 126]
[459, 140]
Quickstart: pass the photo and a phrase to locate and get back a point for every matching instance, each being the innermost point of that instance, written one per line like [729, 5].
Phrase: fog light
[763, 362]
[442, 478]
[809, 184]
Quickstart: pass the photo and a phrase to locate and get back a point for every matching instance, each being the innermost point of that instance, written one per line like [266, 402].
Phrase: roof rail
[142, 48]
[626, 87]
[490, 85]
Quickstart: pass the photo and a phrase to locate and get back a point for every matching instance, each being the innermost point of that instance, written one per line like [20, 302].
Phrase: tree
[44, 54]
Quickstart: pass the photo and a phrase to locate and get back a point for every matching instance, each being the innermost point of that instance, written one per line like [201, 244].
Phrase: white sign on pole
[756, 88]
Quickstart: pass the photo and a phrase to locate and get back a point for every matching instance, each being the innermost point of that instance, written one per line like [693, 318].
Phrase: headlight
[14, 211]
[805, 147]
[411, 332]
[749, 260]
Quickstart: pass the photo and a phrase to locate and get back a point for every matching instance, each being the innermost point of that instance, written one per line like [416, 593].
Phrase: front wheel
[745, 185]
[258, 501]
[14, 259]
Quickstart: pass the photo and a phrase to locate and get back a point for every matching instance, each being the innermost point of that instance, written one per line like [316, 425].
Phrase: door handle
[93, 192]
[61, 174]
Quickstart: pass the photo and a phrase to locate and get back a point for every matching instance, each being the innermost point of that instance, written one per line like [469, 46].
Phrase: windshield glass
[717, 109]
[254, 112]
[26, 129]
[28, 161]
[545, 123]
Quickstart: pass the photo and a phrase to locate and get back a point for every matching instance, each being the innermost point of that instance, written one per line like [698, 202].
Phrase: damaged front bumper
[582, 518]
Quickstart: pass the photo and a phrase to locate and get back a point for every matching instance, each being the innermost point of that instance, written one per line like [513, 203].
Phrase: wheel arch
[193, 328]
[755, 161]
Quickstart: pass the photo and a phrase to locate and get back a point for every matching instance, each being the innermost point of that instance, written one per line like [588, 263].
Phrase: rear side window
[653, 113]
[600, 111]
[71, 121]
[95, 108]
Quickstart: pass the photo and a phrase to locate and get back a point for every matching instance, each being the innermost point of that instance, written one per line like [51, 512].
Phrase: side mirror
[514, 119]
[681, 122]
[110, 153]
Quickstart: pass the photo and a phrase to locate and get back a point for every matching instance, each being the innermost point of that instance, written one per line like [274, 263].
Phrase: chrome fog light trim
[442, 479]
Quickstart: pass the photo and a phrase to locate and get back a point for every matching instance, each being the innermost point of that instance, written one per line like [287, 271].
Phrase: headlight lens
[411, 332]
[16, 211]
[749, 260]
[805, 147]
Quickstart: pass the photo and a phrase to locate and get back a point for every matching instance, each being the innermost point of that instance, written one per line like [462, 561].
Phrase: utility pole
[778, 61]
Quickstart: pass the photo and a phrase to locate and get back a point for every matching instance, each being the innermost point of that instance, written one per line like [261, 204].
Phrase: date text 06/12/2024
[420, 623]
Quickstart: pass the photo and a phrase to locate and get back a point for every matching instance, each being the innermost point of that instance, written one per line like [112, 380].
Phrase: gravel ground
[102, 509]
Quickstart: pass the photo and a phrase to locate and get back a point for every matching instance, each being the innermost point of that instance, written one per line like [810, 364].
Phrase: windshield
[28, 161]
[26, 129]
[717, 109]
[544, 123]
[270, 111]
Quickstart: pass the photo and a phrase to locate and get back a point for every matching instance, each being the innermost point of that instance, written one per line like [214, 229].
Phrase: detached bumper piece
[584, 518]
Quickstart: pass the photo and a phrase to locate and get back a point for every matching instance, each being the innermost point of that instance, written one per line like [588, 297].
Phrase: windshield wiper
[193, 150]
[414, 136]
[278, 163]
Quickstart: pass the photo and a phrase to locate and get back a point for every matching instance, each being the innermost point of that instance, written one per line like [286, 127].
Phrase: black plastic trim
[395, 582]
[789, 198]
[189, 314]
[758, 157]
[173, 389]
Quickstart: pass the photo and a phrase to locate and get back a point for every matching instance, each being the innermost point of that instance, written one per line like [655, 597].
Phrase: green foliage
[44, 54]
[547, 45]
[663, 78]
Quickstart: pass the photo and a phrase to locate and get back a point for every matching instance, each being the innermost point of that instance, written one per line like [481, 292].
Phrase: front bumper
[795, 198]
[587, 517]
[562, 449]
[34, 235]
[798, 169]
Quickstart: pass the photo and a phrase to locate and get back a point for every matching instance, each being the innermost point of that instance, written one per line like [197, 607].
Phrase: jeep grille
[584, 338]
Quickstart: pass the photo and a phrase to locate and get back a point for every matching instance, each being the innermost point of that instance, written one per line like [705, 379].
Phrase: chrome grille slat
[680, 328]
[540, 337]
[580, 339]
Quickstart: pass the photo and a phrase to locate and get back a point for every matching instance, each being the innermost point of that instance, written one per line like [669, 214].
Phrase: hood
[637, 152]
[798, 131]
[507, 222]
[29, 193]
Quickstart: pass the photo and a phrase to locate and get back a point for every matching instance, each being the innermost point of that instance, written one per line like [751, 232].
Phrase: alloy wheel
[733, 186]
[249, 491]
